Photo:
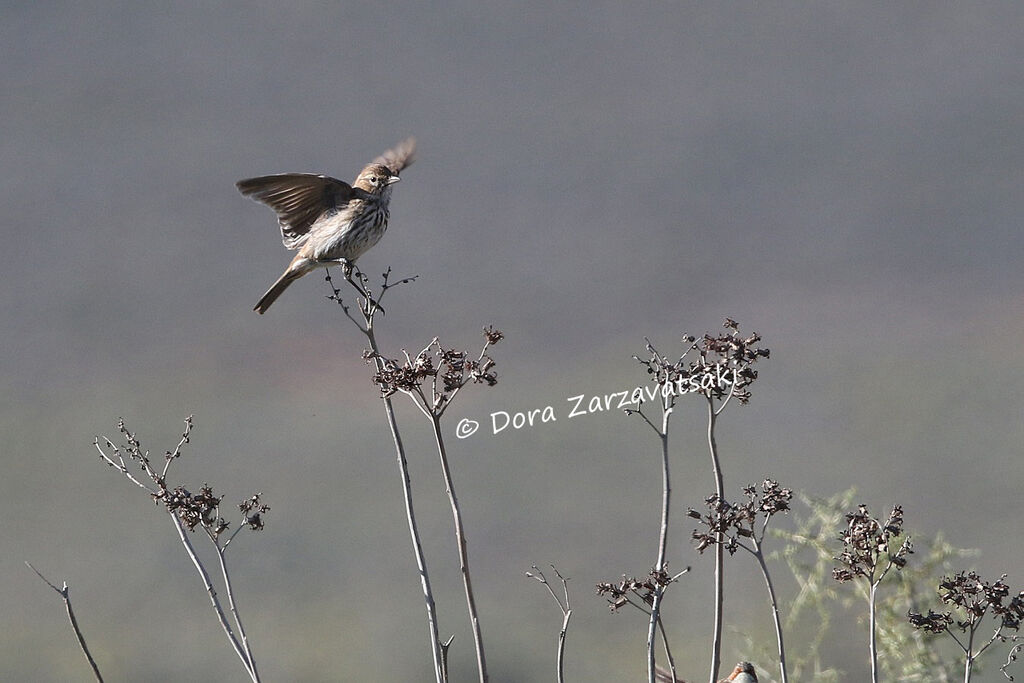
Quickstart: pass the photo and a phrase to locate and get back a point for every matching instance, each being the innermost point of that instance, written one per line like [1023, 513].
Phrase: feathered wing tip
[275, 290]
[399, 156]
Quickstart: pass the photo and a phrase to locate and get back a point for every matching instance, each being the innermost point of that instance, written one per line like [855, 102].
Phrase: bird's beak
[393, 179]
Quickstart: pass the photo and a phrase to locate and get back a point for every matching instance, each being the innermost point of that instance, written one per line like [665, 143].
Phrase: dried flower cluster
[454, 368]
[729, 522]
[867, 545]
[723, 368]
[972, 599]
[201, 509]
[618, 593]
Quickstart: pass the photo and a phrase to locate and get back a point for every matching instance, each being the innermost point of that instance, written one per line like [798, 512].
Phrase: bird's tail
[282, 283]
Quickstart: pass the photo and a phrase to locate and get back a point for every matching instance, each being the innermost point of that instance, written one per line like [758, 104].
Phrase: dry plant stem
[444, 656]
[668, 651]
[439, 656]
[655, 622]
[666, 496]
[247, 662]
[566, 613]
[661, 625]
[969, 659]
[873, 584]
[231, 603]
[65, 593]
[970, 655]
[758, 553]
[716, 642]
[460, 537]
[871, 619]
[433, 408]
[368, 307]
[242, 648]
[1011, 657]
[561, 646]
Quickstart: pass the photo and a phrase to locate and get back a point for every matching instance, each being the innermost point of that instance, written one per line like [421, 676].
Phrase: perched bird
[743, 673]
[330, 222]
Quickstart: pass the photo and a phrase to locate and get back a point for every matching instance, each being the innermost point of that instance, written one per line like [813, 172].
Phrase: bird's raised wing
[399, 156]
[298, 199]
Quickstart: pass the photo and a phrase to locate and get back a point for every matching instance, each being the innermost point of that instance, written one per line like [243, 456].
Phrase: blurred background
[843, 178]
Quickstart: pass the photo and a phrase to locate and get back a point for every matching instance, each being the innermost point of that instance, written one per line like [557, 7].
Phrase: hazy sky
[842, 177]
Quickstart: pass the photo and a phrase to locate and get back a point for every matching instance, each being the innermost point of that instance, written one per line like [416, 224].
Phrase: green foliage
[809, 548]
[907, 654]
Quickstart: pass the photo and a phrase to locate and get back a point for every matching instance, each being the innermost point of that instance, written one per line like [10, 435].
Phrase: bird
[743, 673]
[329, 221]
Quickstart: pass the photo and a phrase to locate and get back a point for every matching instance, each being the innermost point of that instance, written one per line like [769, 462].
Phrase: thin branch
[732, 390]
[120, 466]
[668, 650]
[716, 642]
[759, 554]
[959, 642]
[666, 496]
[65, 593]
[995, 636]
[214, 600]
[460, 537]
[234, 607]
[438, 651]
[1011, 657]
[566, 609]
[183, 509]
[368, 308]
[444, 655]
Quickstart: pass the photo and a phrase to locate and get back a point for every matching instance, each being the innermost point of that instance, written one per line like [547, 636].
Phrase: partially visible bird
[329, 221]
[743, 673]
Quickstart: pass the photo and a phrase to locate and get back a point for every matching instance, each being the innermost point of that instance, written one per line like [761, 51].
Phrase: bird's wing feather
[298, 199]
[399, 156]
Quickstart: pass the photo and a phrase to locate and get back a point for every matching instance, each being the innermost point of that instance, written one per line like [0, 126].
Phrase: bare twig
[65, 593]
[736, 526]
[973, 599]
[446, 371]
[622, 593]
[665, 374]
[1011, 657]
[563, 605]
[867, 555]
[666, 496]
[444, 655]
[191, 510]
[721, 373]
[460, 537]
[716, 638]
[368, 307]
[211, 592]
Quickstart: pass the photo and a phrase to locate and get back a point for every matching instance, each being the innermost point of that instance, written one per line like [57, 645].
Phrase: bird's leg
[346, 266]
[348, 269]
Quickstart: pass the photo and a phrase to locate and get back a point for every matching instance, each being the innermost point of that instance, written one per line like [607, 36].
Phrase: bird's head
[376, 179]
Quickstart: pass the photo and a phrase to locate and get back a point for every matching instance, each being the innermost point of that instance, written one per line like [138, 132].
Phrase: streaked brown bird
[743, 673]
[330, 222]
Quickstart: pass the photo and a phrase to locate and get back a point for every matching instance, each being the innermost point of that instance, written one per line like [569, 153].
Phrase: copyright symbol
[466, 427]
